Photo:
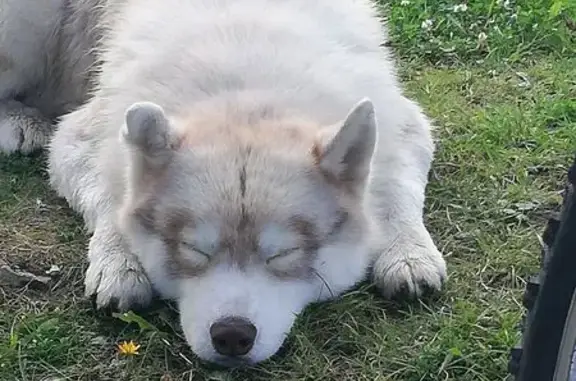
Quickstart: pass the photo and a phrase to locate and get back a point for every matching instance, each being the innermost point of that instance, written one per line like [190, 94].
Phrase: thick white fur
[312, 58]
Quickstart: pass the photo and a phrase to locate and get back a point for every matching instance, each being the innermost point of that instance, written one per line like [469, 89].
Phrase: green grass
[505, 111]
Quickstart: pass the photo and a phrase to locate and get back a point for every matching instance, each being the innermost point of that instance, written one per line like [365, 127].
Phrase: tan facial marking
[307, 231]
[316, 153]
[6, 63]
[342, 218]
[299, 265]
[256, 125]
[145, 216]
[297, 268]
[239, 239]
[177, 264]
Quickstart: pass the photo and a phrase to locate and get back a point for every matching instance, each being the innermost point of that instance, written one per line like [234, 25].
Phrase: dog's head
[254, 219]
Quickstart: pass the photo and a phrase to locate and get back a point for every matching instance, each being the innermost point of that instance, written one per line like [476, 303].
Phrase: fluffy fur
[243, 157]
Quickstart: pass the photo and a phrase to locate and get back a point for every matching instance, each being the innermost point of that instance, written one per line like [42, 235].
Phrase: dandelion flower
[128, 348]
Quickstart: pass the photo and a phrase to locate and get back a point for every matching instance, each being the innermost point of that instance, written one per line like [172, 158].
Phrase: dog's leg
[115, 276]
[409, 263]
[22, 129]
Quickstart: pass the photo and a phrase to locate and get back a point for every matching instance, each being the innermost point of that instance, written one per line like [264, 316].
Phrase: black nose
[233, 336]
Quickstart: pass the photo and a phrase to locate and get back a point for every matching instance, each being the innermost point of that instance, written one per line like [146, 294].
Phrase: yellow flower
[128, 348]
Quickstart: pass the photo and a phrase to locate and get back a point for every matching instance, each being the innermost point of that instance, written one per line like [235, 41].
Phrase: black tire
[545, 351]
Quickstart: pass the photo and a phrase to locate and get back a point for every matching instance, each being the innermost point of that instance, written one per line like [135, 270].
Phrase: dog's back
[316, 56]
[323, 55]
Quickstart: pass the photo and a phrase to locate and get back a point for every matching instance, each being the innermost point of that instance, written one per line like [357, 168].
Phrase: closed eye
[191, 247]
[282, 253]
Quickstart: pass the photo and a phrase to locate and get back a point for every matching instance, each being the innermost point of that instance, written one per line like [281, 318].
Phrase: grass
[498, 78]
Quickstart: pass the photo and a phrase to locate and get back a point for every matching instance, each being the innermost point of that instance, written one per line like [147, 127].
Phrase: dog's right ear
[148, 132]
[348, 148]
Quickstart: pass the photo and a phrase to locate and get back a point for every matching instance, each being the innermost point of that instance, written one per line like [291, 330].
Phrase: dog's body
[224, 156]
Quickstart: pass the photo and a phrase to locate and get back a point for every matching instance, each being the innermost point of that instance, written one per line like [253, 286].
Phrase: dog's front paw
[410, 267]
[118, 281]
[22, 129]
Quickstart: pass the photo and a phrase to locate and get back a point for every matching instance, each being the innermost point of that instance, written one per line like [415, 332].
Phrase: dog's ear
[148, 132]
[347, 152]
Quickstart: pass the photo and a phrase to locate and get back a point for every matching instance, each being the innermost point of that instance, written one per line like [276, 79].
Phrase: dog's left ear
[347, 155]
[148, 132]
[150, 138]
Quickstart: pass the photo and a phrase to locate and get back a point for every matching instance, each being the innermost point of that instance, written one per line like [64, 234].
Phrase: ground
[498, 79]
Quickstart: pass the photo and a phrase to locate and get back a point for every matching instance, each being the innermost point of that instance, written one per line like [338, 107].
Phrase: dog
[245, 158]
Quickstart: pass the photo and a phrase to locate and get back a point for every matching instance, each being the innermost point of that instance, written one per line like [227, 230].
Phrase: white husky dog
[243, 157]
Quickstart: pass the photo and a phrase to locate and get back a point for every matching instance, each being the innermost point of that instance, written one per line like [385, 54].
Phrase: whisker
[323, 281]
